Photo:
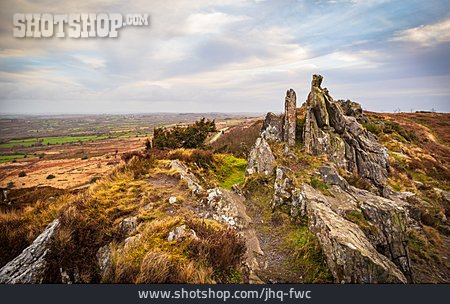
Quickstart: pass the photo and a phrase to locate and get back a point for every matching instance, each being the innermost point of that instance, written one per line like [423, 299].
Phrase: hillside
[323, 193]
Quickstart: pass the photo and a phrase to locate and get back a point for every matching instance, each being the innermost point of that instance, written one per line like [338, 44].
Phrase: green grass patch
[7, 158]
[50, 140]
[229, 170]
[372, 127]
[308, 256]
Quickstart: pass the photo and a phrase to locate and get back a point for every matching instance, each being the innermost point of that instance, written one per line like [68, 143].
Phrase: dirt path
[218, 134]
[272, 232]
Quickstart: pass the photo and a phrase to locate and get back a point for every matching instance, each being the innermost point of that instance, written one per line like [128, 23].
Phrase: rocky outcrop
[349, 254]
[261, 158]
[290, 117]
[277, 128]
[342, 138]
[363, 236]
[31, 264]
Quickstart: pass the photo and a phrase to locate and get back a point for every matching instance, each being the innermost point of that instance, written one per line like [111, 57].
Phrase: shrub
[190, 137]
[203, 158]
[22, 174]
[391, 127]
[148, 145]
[372, 127]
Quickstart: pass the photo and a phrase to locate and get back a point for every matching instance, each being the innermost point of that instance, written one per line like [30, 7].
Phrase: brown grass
[20, 226]
[238, 140]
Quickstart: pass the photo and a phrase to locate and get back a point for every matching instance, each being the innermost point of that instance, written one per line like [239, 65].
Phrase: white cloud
[426, 35]
[202, 23]
[91, 62]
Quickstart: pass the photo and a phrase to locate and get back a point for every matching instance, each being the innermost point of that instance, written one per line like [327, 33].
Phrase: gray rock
[350, 255]
[391, 218]
[290, 117]
[285, 193]
[30, 266]
[383, 233]
[178, 233]
[128, 225]
[351, 108]
[272, 128]
[261, 158]
[191, 180]
[105, 262]
[332, 177]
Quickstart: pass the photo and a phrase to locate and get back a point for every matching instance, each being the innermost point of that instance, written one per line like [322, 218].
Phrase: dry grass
[141, 188]
[210, 256]
[20, 226]
[238, 140]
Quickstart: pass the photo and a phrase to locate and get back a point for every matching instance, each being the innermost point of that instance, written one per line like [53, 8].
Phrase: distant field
[7, 158]
[61, 140]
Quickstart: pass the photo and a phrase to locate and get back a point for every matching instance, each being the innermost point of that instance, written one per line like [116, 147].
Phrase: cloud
[215, 22]
[91, 62]
[426, 35]
[224, 55]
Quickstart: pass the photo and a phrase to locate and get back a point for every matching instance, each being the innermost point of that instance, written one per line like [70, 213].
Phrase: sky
[230, 56]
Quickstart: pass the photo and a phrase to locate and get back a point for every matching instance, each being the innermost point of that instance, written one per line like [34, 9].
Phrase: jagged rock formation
[30, 266]
[346, 143]
[363, 236]
[280, 128]
[226, 207]
[369, 251]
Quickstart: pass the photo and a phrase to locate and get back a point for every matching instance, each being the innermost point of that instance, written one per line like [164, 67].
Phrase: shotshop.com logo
[77, 25]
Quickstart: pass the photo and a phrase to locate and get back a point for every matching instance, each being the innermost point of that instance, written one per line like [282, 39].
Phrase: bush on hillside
[191, 137]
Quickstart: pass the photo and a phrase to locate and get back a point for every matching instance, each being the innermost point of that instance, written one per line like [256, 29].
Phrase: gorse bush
[190, 137]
